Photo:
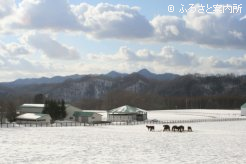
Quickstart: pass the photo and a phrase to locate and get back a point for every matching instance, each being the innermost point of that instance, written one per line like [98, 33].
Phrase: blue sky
[64, 37]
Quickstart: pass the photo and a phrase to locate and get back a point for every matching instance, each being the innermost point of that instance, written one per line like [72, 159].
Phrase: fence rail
[70, 124]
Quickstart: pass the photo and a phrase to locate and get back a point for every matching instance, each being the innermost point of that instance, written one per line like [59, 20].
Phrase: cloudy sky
[63, 37]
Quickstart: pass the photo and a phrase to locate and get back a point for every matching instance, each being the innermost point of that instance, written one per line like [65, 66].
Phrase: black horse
[150, 128]
[181, 128]
[166, 128]
[189, 129]
[174, 128]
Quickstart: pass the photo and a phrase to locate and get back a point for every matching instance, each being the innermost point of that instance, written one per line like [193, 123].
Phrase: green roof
[244, 105]
[83, 114]
[126, 109]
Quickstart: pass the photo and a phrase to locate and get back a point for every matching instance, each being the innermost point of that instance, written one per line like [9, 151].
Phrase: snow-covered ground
[193, 114]
[210, 142]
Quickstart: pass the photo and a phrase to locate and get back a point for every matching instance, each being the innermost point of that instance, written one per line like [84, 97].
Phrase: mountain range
[142, 88]
[59, 79]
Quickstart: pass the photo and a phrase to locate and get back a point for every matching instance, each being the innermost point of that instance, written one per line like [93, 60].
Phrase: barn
[38, 109]
[243, 110]
[87, 117]
[33, 118]
[127, 113]
[30, 108]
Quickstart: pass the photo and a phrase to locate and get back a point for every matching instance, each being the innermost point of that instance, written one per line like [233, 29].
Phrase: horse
[150, 128]
[181, 128]
[174, 128]
[189, 129]
[166, 127]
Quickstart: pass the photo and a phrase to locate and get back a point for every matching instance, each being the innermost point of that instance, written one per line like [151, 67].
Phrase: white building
[30, 108]
[127, 113]
[87, 117]
[70, 112]
[243, 110]
[38, 109]
[33, 118]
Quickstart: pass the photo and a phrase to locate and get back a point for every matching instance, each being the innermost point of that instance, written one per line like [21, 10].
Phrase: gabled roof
[31, 116]
[244, 106]
[84, 114]
[126, 109]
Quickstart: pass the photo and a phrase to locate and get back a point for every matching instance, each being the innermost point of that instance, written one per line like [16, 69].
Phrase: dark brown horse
[181, 128]
[189, 129]
[150, 128]
[174, 128]
[166, 128]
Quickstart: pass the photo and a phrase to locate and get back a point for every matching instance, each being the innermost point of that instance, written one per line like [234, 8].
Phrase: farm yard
[210, 142]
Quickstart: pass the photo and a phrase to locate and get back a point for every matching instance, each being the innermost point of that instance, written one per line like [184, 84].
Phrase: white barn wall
[95, 117]
[91, 119]
[24, 110]
[243, 111]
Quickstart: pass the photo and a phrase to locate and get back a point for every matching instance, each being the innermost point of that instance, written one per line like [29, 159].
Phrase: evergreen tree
[63, 109]
[39, 99]
[56, 109]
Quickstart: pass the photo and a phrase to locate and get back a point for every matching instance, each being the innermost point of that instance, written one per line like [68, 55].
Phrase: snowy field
[210, 142]
[193, 114]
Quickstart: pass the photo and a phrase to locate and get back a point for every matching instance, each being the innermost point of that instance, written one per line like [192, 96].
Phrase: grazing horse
[150, 128]
[166, 128]
[174, 128]
[189, 129]
[181, 128]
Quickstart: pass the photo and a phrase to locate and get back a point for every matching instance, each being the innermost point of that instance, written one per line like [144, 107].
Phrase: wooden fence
[70, 124]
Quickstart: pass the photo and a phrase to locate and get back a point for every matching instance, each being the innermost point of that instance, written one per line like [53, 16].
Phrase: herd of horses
[167, 128]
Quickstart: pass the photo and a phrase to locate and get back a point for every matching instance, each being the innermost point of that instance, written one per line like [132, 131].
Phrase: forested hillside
[106, 92]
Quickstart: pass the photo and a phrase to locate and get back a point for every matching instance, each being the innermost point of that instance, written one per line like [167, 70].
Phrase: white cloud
[52, 48]
[53, 15]
[123, 22]
[223, 30]
[168, 59]
[6, 7]
[13, 49]
[101, 21]
[113, 21]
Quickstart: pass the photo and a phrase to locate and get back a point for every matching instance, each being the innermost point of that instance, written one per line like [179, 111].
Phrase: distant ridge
[60, 79]
[114, 74]
[42, 80]
[145, 73]
[166, 76]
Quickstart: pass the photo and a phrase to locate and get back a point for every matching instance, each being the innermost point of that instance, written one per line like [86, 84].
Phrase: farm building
[38, 108]
[30, 108]
[33, 118]
[70, 112]
[127, 113]
[87, 117]
[243, 110]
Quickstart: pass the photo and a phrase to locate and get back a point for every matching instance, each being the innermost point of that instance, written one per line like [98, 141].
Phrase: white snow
[210, 142]
[193, 114]
[30, 116]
